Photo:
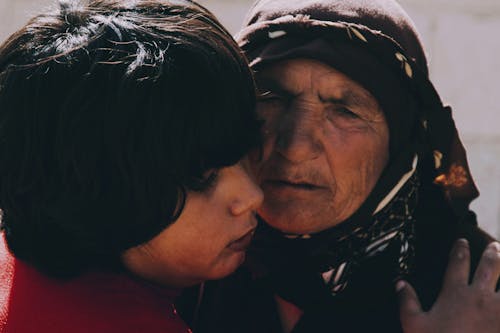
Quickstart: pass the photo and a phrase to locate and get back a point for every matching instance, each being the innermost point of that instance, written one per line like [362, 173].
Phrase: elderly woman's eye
[345, 112]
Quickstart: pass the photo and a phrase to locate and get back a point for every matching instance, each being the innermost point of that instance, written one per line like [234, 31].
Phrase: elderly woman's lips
[291, 184]
[242, 243]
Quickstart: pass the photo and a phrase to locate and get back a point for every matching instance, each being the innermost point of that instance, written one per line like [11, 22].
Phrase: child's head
[110, 112]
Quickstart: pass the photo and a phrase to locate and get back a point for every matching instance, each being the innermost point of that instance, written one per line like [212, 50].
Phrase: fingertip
[487, 272]
[461, 249]
[400, 285]
[494, 246]
[409, 304]
[462, 241]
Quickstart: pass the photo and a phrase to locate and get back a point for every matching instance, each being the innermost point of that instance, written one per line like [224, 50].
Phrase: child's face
[209, 239]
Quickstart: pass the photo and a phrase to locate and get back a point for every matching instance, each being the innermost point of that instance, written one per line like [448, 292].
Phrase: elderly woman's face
[208, 240]
[325, 145]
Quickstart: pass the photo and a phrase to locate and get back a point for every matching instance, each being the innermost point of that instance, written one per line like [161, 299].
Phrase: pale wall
[463, 45]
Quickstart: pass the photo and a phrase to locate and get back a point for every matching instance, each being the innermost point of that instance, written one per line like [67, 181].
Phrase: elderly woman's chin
[305, 217]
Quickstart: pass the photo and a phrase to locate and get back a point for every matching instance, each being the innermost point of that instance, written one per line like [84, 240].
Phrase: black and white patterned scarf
[393, 224]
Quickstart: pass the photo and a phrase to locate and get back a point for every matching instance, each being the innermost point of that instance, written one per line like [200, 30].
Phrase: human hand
[460, 307]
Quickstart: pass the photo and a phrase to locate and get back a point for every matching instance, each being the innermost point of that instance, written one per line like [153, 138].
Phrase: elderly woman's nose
[296, 137]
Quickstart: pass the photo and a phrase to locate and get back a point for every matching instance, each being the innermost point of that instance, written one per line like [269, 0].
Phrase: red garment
[31, 302]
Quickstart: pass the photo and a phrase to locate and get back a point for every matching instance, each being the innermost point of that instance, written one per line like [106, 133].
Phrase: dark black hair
[109, 112]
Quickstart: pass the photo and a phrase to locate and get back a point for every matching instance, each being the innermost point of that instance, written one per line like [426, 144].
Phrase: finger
[488, 269]
[458, 270]
[409, 304]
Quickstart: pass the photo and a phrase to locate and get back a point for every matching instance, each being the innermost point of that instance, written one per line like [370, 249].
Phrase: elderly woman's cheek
[356, 156]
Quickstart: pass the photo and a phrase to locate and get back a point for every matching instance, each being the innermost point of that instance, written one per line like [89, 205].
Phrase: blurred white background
[462, 39]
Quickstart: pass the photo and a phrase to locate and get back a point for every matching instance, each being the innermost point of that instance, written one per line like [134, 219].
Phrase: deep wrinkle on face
[325, 145]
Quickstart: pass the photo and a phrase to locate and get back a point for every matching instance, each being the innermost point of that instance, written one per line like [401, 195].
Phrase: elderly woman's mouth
[298, 185]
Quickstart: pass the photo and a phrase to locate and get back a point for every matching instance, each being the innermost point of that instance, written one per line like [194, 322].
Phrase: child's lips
[242, 243]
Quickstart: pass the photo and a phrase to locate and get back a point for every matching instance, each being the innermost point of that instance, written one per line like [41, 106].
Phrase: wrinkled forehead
[294, 77]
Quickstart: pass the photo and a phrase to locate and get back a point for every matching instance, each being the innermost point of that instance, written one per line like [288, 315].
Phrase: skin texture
[325, 145]
[202, 244]
[461, 306]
